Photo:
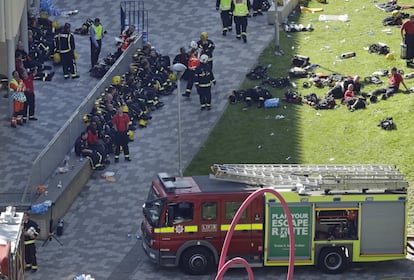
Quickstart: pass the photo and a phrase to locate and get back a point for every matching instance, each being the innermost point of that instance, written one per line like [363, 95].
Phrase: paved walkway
[97, 226]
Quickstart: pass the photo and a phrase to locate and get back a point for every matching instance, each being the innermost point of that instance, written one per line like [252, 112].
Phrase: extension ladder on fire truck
[320, 177]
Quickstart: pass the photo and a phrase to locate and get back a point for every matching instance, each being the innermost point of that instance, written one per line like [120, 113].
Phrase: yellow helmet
[390, 56]
[396, 13]
[204, 35]
[44, 15]
[116, 80]
[125, 108]
[55, 24]
[86, 119]
[142, 123]
[56, 58]
[172, 77]
[131, 135]
[157, 85]
[75, 54]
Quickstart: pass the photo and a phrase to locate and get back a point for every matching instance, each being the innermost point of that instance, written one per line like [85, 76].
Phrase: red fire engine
[341, 214]
[11, 245]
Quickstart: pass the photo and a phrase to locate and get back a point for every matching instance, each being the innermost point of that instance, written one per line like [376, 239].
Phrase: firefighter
[240, 13]
[203, 80]
[65, 46]
[206, 47]
[225, 7]
[30, 231]
[257, 7]
[82, 149]
[127, 36]
[193, 63]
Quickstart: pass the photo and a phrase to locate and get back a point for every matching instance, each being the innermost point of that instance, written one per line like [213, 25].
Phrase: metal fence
[52, 155]
[134, 13]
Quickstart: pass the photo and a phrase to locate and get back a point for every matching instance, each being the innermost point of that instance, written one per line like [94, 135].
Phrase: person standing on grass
[407, 35]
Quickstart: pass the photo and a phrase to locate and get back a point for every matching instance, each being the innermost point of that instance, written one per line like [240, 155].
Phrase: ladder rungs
[320, 176]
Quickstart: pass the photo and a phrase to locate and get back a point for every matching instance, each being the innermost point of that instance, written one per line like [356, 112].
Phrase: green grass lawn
[309, 136]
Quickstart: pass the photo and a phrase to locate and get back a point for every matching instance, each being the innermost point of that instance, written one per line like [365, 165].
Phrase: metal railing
[134, 13]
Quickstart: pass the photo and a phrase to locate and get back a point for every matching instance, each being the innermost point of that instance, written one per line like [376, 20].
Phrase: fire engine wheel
[332, 260]
[196, 261]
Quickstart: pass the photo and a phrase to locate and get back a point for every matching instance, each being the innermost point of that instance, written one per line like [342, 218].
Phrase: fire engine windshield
[153, 207]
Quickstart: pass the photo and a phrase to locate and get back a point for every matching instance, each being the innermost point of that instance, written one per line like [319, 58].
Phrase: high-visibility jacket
[98, 31]
[193, 62]
[225, 5]
[240, 8]
[16, 85]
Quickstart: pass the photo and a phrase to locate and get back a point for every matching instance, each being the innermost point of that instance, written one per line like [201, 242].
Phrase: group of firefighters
[199, 72]
[237, 11]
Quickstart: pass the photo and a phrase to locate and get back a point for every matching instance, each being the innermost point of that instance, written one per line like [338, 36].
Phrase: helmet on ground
[116, 80]
[193, 45]
[396, 13]
[204, 35]
[56, 58]
[172, 77]
[131, 135]
[204, 58]
[390, 56]
[142, 123]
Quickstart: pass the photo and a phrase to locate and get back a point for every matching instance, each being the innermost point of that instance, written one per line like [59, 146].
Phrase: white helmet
[204, 58]
[193, 45]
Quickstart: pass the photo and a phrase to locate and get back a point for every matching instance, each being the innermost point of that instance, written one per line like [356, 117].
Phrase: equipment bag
[387, 124]
[403, 50]
[297, 72]
[271, 103]
[300, 60]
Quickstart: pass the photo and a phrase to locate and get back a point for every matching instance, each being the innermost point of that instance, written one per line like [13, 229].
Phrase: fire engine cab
[11, 245]
[341, 214]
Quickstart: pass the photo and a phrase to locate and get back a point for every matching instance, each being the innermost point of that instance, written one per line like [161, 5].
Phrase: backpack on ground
[387, 124]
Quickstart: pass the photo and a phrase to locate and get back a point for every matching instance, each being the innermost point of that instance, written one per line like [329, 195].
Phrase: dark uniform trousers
[227, 20]
[241, 26]
[257, 7]
[205, 96]
[409, 41]
[121, 140]
[68, 63]
[30, 254]
[190, 81]
[29, 104]
[95, 51]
